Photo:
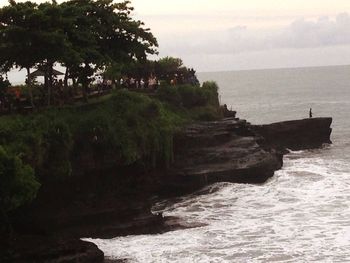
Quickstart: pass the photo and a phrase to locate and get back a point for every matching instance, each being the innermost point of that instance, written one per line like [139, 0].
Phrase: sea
[302, 214]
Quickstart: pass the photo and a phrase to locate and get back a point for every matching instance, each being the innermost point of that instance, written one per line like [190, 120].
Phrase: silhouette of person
[310, 113]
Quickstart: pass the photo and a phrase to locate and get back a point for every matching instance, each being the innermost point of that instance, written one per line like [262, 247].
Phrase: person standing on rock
[310, 113]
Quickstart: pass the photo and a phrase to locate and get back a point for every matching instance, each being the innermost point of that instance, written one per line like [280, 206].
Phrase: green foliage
[83, 35]
[127, 127]
[207, 113]
[18, 185]
[58, 143]
[170, 94]
[211, 90]
[169, 65]
[124, 129]
[190, 96]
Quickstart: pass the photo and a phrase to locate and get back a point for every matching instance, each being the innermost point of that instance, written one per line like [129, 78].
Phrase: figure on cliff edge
[310, 113]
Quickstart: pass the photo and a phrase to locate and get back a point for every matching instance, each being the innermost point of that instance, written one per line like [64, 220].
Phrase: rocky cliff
[226, 150]
[233, 150]
[230, 150]
[297, 134]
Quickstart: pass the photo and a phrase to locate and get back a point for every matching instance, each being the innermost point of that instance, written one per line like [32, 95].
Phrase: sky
[224, 35]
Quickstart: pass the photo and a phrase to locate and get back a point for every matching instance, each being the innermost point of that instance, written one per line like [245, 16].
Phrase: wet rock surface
[298, 134]
[223, 151]
[233, 150]
[33, 249]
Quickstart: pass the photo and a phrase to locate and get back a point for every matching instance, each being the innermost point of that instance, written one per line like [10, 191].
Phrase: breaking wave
[300, 215]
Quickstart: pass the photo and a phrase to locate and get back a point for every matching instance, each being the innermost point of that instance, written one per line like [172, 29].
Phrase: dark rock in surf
[297, 134]
[44, 249]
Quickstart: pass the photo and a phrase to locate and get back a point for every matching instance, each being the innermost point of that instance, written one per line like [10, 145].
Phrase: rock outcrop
[226, 150]
[233, 150]
[297, 134]
[32, 249]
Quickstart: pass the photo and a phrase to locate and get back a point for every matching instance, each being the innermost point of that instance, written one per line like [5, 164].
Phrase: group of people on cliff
[21, 97]
[152, 82]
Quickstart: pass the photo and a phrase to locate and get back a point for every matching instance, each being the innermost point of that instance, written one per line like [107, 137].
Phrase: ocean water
[302, 214]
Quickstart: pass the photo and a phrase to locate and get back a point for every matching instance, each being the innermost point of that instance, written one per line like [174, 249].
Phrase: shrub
[58, 143]
[18, 184]
[208, 113]
[190, 96]
[170, 95]
[211, 89]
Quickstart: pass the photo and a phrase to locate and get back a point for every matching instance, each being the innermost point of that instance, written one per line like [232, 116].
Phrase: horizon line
[272, 68]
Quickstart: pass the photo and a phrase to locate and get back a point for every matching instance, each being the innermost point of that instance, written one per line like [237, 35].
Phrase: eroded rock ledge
[50, 249]
[297, 134]
[233, 150]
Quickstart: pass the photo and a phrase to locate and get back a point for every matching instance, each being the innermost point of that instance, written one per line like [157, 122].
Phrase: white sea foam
[301, 215]
[295, 152]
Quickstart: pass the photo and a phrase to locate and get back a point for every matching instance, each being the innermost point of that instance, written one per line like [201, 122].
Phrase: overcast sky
[249, 34]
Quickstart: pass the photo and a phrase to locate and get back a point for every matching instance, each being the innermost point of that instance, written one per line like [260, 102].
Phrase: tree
[103, 35]
[169, 66]
[18, 46]
[52, 41]
[31, 35]
[121, 37]
[4, 85]
[84, 35]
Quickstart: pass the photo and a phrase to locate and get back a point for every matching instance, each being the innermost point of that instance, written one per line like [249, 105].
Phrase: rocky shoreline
[230, 150]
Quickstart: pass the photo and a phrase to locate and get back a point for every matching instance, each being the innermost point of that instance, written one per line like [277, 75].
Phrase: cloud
[300, 34]
[323, 32]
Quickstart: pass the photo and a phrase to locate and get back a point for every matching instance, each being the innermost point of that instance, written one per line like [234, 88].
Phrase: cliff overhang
[233, 150]
[297, 134]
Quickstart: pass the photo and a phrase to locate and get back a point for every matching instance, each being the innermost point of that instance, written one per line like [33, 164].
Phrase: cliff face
[226, 150]
[232, 150]
[297, 134]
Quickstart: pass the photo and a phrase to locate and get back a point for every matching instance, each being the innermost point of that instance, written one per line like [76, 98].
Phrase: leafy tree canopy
[84, 35]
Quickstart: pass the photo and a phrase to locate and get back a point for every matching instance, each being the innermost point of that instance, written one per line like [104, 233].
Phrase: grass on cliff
[123, 129]
[196, 103]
